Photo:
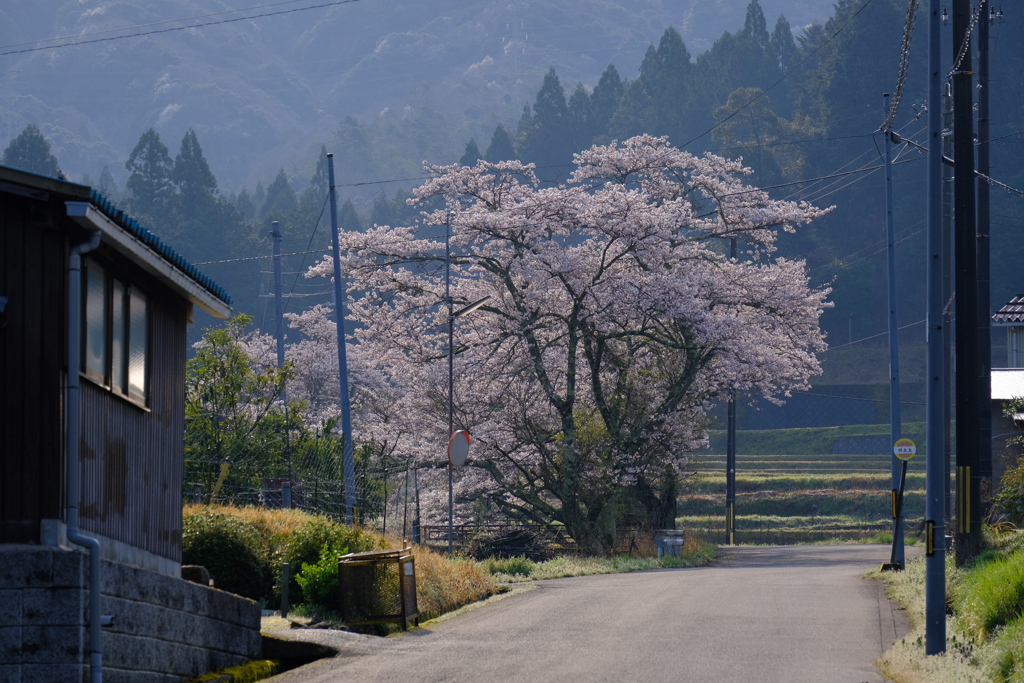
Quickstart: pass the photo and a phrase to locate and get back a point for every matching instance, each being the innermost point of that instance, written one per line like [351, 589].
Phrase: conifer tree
[501, 147]
[149, 182]
[30, 151]
[471, 155]
[280, 196]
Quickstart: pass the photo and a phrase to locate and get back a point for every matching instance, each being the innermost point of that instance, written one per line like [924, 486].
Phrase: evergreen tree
[405, 213]
[348, 218]
[319, 185]
[635, 113]
[581, 119]
[662, 100]
[280, 197]
[755, 26]
[107, 186]
[382, 213]
[546, 136]
[259, 195]
[471, 155]
[149, 181]
[196, 185]
[784, 46]
[245, 204]
[755, 133]
[605, 99]
[30, 151]
[501, 147]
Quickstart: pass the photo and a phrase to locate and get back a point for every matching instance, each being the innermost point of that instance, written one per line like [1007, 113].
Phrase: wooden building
[137, 297]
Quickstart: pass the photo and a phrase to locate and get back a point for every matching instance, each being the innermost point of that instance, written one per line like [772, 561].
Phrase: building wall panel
[132, 457]
[32, 350]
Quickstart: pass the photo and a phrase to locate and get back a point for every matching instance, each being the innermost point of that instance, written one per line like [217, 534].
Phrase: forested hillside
[263, 88]
[385, 86]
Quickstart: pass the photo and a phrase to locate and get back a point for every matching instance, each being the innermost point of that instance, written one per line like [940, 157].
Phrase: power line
[254, 258]
[154, 23]
[177, 28]
[873, 336]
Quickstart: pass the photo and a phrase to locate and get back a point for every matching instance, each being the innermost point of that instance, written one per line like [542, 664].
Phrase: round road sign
[904, 449]
[458, 448]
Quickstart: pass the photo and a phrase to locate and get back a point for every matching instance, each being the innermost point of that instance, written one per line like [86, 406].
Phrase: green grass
[860, 504]
[992, 595]
[985, 629]
[804, 441]
[791, 488]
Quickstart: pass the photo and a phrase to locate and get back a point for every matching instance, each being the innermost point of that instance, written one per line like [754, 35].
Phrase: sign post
[458, 451]
[905, 450]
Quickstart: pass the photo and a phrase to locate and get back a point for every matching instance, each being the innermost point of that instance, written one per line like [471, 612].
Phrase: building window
[115, 334]
[1015, 346]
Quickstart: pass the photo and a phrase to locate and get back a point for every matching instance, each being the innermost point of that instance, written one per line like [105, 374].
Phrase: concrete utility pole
[968, 472]
[935, 520]
[898, 466]
[348, 459]
[275, 233]
[984, 379]
[730, 453]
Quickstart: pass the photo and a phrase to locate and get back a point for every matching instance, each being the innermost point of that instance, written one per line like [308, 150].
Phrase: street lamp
[452, 315]
[453, 441]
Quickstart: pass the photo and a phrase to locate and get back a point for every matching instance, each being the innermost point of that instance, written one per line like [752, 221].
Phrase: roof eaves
[127, 236]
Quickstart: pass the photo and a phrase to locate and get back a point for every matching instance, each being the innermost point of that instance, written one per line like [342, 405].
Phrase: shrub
[319, 581]
[306, 546]
[231, 549]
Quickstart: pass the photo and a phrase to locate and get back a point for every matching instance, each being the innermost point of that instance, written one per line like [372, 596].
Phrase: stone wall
[164, 629]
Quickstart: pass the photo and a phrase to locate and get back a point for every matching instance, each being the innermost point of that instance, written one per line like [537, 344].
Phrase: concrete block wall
[42, 614]
[164, 629]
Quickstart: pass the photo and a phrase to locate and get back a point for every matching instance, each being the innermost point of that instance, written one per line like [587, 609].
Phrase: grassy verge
[804, 441]
[985, 629]
[694, 553]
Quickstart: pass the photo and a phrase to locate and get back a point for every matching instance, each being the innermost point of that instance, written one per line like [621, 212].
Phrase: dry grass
[270, 523]
[444, 585]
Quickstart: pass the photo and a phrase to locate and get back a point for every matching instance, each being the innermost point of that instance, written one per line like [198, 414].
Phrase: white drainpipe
[73, 436]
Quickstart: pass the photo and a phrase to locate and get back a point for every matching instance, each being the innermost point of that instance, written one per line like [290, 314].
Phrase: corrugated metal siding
[132, 459]
[32, 276]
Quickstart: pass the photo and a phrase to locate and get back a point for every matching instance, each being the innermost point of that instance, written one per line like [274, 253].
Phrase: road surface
[782, 613]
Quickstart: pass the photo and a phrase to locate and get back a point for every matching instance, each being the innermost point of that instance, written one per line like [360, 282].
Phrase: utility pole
[275, 233]
[968, 533]
[984, 379]
[947, 287]
[730, 452]
[935, 521]
[348, 458]
[898, 466]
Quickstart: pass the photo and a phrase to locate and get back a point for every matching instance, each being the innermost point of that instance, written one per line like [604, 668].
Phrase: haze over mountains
[264, 93]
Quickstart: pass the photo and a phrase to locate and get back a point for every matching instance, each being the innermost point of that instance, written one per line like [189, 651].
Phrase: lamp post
[452, 315]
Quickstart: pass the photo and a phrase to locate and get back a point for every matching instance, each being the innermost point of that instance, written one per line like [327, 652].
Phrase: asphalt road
[785, 613]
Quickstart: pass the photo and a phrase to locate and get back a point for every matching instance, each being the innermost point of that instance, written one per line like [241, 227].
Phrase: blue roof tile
[133, 227]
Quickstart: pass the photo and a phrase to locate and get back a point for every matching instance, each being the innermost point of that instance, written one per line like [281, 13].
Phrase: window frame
[118, 299]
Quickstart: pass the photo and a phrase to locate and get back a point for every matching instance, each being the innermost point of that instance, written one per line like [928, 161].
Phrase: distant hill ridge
[262, 93]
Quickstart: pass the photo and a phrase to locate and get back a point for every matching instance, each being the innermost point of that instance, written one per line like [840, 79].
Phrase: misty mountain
[264, 93]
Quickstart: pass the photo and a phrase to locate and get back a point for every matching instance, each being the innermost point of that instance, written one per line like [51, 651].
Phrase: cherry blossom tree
[614, 321]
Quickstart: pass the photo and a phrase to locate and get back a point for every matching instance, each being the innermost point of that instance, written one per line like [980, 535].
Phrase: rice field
[801, 498]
